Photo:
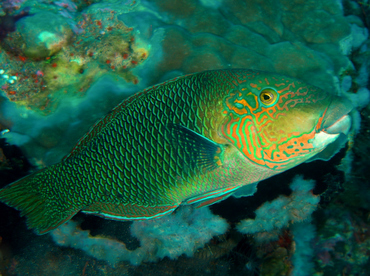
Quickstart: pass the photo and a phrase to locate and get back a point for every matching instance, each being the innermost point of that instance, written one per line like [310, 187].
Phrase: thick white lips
[331, 133]
[343, 125]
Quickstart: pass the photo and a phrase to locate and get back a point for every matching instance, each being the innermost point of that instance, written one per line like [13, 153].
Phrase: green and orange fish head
[279, 122]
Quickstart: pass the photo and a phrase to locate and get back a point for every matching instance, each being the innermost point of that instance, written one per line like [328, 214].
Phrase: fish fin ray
[212, 201]
[41, 213]
[128, 211]
[198, 153]
[211, 197]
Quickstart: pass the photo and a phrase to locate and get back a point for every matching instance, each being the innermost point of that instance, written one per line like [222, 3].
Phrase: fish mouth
[335, 129]
[337, 119]
[343, 125]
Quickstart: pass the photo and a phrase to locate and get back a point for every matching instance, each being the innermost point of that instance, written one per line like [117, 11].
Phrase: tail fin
[31, 196]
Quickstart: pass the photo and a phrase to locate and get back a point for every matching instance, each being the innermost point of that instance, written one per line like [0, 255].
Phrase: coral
[50, 63]
[303, 234]
[38, 36]
[272, 216]
[324, 247]
[99, 247]
[6, 79]
[11, 4]
[8, 20]
[275, 263]
[342, 241]
[183, 232]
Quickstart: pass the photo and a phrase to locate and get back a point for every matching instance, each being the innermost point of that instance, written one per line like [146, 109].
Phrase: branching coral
[273, 216]
[180, 233]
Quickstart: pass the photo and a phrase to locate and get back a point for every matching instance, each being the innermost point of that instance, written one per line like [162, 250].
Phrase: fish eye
[268, 96]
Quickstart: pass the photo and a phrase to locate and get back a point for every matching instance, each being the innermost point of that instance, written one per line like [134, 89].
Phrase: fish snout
[337, 119]
[334, 130]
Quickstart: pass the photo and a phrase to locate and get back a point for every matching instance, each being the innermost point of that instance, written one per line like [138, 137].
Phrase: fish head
[279, 122]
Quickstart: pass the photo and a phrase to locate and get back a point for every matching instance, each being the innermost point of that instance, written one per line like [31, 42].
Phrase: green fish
[195, 139]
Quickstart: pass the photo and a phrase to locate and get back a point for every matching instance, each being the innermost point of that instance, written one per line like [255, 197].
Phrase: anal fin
[128, 211]
[211, 197]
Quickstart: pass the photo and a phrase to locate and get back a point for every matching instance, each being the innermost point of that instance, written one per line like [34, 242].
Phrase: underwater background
[65, 64]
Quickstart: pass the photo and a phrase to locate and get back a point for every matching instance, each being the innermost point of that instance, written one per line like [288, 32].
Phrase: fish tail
[30, 196]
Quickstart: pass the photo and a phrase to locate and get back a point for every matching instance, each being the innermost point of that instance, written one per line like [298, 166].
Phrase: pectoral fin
[197, 153]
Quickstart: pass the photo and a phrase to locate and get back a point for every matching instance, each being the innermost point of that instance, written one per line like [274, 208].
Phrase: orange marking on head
[268, 151]
[233, 134]
[282, 140]
[296, 133]
[285, 100]
[286, 88]
[304, 93]
[242, 133]
[260, 117]
[289, 147]
[263, 126]
[247, 108]
[279, 84]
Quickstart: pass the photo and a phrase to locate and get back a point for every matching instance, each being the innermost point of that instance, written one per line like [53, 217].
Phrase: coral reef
[284, 227]
[39, 35]
[50, 62]
[342, 243]
[304, 234]
[183, 232]
[274, 216]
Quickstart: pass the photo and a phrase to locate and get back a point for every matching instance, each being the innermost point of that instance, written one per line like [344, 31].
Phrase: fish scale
[195, 139]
